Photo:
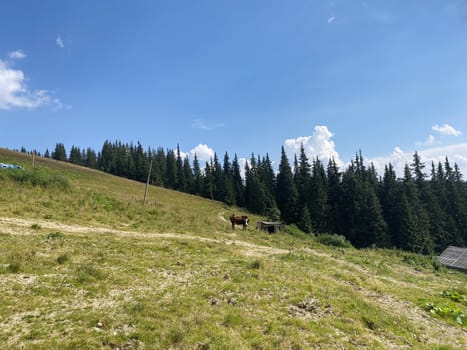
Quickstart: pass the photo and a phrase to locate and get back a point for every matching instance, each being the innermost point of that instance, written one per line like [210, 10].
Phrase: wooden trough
[269, 226]
[455, 258]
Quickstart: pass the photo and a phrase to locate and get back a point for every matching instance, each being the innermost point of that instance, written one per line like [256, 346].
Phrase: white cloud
[399, 158]
[203, 152]
[428, 142]
[320, 145]
[446, 129]
[202, 125]
[14, 93]
[59, 42]
[331, 19]
[16, 55]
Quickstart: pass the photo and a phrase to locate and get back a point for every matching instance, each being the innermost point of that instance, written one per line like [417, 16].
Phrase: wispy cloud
[331, 19]
[202, 125]
[16, 55]
[59, 42]
[14, 93]
[446, 129]
[428, 142]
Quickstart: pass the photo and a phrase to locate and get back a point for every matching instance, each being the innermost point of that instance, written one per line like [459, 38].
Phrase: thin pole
[147, 183]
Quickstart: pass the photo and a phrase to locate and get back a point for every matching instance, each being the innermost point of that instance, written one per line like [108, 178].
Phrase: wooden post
[147, 183]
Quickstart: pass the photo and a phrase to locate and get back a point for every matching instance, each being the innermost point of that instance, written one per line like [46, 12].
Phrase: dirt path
[17, 226]
[433, 331]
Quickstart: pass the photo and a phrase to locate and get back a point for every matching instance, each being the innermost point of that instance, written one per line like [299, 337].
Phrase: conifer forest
[415, 212]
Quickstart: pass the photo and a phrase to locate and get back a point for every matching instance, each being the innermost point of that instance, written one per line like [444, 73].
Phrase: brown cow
[239, 220]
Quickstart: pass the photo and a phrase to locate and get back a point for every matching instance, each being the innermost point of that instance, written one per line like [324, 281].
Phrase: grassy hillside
[83, 265]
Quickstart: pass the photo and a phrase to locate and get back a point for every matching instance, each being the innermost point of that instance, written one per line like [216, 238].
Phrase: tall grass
[36, 177]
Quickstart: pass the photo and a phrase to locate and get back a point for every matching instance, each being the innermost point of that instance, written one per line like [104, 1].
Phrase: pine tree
[208, 186]
[188, 178]
[179, 183]
[415, 223]
[334, 198]
[60, 152]
[75, 155]
[391, 193]
[239, 188]
[302, 179]
[362, 217]
[159, 172]
[286, 193]
[304, 222]
[171, 170]
[198, 177]
[105, 158]
[318, 198]
[229, 189]
[218, 177]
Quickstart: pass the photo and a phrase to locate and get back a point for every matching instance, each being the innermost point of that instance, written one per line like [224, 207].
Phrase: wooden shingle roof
[455, 258]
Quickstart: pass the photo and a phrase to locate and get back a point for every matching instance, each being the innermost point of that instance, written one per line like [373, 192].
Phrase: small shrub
[36, 227]
[15, 261]
[257, 264]
[14, 266]
[62, 258]
[333, 240]
[55, 235]
[88, 273]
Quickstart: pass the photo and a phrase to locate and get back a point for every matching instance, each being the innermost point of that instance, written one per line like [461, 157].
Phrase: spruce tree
[239, 188]
[75, 155]
[60, 152]
[179, 183]
[334, 221]
[286, 193]
[158, 174]
[198, 177]
[303, 179]
[415, 220]
[318, 197]
[229, 189]
[171, 170]
[188, 178]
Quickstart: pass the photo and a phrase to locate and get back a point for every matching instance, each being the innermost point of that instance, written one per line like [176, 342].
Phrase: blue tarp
[10, 166]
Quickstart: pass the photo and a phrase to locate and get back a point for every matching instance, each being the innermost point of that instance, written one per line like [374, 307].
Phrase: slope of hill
[84, 265]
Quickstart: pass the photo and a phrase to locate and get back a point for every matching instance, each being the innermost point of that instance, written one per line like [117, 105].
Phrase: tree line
[415, 212]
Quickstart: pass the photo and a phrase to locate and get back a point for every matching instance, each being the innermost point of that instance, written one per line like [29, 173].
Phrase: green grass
[91, 268]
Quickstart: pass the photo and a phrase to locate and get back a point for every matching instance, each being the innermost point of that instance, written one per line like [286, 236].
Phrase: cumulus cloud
[16, 55]
[59, 42]
[446, 129]
[400, 158]
[203, 152]
[320, 145]
[14, 93]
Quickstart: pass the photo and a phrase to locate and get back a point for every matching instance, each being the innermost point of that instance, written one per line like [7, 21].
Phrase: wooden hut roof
[454, 257]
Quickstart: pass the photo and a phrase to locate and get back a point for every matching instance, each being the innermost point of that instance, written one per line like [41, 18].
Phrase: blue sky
[383, 77]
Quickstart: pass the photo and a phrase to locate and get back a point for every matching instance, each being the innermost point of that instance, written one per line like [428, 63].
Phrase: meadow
[84, 265]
